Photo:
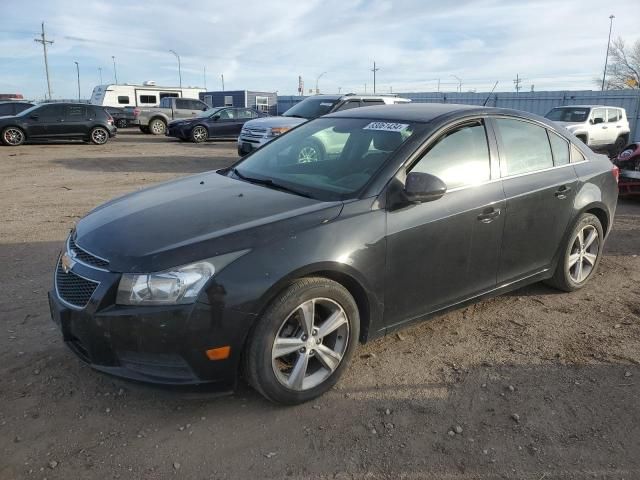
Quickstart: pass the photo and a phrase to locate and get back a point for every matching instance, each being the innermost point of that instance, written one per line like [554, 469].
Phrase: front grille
[73, 289]
[83, 256]
[253, 132]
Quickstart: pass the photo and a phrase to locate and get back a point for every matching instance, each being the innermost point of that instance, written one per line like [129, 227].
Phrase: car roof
[70, 103]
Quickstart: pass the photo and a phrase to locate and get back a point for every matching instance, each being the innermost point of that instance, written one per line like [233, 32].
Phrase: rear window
[123, 100]
[311, 108]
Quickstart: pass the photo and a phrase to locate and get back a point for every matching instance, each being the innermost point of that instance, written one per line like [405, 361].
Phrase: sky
[261, 45]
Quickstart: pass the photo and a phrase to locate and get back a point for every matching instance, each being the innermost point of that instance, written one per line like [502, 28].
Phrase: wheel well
[158, 118]
[602, 216]
[357, 292]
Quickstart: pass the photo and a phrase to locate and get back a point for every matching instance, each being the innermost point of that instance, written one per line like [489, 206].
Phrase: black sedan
[218, 122]
[279, 268]
[58, 121]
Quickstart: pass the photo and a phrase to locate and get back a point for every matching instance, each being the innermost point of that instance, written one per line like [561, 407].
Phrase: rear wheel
[157, 126]
[121, 123]
[617, 147]
[581, 255]
[99, 136]
[302, 343]
[199, 134]
[13, 136]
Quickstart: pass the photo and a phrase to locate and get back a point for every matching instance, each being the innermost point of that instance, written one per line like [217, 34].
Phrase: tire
[99, 136]
[311, 151]
[144, 129]
[122, 123]
[157, 126]
[199, 134]
[273, 373]
[13, 136]
[571, 276]
[617, 147]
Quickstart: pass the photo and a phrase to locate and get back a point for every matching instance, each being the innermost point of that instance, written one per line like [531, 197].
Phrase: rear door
[445, 251]
[539, 184]
[226, 124]
[75, 122]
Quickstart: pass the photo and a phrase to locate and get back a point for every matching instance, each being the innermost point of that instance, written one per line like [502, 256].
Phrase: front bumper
[178, 131]
[247, 144]
[155, 344]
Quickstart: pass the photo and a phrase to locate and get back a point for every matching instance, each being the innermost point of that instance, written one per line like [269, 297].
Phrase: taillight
[110, 120]
[615, 171]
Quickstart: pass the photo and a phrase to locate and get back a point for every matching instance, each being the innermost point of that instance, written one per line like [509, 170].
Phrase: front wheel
[199, 134]
[157, 126]
[581, 255]
[302, 343]
[13, 136]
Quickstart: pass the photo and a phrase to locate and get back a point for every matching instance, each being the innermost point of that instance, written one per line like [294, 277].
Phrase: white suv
[598, 126]
[256, 133]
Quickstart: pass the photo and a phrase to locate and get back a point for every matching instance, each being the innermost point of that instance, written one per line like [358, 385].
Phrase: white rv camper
[146, 95]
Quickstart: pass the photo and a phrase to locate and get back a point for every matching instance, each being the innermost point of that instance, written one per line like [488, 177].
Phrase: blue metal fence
[534, 102]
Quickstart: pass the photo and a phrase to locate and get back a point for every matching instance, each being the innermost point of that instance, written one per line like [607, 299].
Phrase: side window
[525, 147]
[348, 105]
[226, 114]
[459, 158]
[198, 105]
[598, 115]
[560, 149]
[20, 107]
[612, 115]
[123, 100]
[369, 103]
[6, 109]
[165, 103]
[576, 154]
[148, 99]
[50, 112]
[245, 114]
[183, 103]
[75, 112]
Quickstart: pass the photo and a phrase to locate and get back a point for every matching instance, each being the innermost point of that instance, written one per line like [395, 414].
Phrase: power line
[43, 40]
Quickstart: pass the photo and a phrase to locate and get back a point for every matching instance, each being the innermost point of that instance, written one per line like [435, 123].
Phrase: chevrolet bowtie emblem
[66, 262]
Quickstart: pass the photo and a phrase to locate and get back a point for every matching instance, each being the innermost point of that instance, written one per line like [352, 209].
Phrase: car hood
[570, 125]
[194, 218]
[268, 122]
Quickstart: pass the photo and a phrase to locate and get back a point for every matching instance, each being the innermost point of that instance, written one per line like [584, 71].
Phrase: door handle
[488, 215]
[561, 193]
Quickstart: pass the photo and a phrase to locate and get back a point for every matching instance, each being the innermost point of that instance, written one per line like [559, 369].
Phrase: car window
[226, 114]
[75, 112]
[576, 155]
[524, 148]
[348, 105]
[598, 113]
[123, 100]
[165, 103]
[612, 115]
[568, 114]
[20, 107]
[50, 112]
[6, 109]
[245, 113]
[560, 149]
[148, 99]
[369, 103]
[459, 158]
[311, 108]
[183, 103]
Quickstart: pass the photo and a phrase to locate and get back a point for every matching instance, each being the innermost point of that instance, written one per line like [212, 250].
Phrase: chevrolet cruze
[276, 269]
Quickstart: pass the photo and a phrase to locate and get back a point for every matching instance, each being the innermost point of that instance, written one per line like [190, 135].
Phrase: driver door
[445, 251]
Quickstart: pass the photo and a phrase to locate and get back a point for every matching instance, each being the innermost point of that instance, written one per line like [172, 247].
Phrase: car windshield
[326, 158]
[28, 111]
[209, 113]
[311, 108]
[568, 114]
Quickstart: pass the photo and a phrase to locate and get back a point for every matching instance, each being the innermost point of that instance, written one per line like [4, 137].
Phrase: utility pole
[438, 85]
[179, 67]
[100, 72]
[604, 74]
[43, 40]
[318, 78]
[78, 71]
[115, 74]
[222, 77]
[205, 77]
[517, 83]
[459, 82]
[374, 70]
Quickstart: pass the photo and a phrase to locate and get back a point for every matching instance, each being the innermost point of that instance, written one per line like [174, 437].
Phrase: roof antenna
[489, 96]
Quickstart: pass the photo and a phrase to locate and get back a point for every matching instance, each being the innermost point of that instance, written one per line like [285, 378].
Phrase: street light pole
[459, 82]
[179, 67]
[78, 71]
[115, 74]
[318, 78]
[374, 70]
[604, 74]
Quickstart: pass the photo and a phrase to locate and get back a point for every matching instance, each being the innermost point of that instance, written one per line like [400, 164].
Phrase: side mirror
[423, 187]
[597, 121]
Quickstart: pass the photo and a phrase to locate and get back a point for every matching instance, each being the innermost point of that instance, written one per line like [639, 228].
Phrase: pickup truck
[155, 120]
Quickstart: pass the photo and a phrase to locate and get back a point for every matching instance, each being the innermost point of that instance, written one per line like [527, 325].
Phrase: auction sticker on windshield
[386, 126]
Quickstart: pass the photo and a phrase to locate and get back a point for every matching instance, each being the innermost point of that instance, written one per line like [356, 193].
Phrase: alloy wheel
[99, 136]
[157, 127]
[13, 136]
[199, 134]
[584, 253]
[310, 344]
[307, 155]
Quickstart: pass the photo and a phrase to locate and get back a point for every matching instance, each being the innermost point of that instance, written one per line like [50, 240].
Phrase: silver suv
[598, 126]
[256, 133]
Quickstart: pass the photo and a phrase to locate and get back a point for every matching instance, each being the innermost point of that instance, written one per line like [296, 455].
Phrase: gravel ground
[532, 385]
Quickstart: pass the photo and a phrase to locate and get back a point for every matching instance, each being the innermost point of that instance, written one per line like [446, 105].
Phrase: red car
[628, 161]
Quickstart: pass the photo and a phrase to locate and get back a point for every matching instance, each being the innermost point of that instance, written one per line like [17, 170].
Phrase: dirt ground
[537, 384]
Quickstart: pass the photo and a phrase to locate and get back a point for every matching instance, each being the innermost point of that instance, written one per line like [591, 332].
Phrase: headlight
[275, 131]
[176, 286]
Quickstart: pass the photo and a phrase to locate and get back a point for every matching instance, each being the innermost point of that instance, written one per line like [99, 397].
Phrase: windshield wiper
[267, 182]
